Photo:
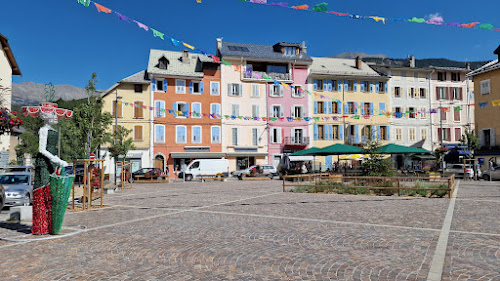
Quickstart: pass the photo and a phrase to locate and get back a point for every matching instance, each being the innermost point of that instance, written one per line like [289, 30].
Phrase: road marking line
[437, 263]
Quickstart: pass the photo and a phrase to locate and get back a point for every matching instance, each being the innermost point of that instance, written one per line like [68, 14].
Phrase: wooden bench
[142, 178]
[217, 177]
[264, 176]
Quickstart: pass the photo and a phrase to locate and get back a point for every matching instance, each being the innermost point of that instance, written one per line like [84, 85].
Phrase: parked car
[491, 174]
[15, 169]
[200, 167]
[18, 188]
[147, 173]
[458, 170]
[266, 169]
[2, 197]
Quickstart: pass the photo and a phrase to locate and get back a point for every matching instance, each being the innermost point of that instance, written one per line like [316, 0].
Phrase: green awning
[401, 149]
[304, 152]
[338, 149]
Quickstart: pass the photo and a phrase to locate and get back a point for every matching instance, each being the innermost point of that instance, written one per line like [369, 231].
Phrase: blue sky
[63, 42]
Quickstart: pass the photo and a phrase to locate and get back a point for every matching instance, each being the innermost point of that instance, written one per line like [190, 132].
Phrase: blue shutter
[326, 132]
[165, 85]
[330, 131]
[202, 87]
[362, 109]
[385, 87]
[356, 133]
[187, 108]
[388, 134]
[362, 86]
[378, 132]
[378, 90]
[330, 107]
[356, 108]
[330, 86]
[153, 84]
[174, 109]
[325, 85]
[190, 86]
[341, 132]
[371, 108]
[346, 85]
[315, 107]
[315, 131]
[355, 85]
[373, 133]
[371, 86]
[325, 107]
[315, 84]
[381, 107]
[346, 108]
[339, 86]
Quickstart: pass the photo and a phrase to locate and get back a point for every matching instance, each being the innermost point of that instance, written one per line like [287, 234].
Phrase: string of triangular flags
[323, 8]
[333, 117]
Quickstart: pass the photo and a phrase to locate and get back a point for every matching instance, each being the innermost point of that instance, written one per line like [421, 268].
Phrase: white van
[200, 167]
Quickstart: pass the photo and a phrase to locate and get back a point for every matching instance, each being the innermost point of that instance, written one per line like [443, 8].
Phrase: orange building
[186, 92]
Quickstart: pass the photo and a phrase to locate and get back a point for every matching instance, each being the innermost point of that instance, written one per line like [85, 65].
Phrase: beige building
[129, 102]
[8, 67]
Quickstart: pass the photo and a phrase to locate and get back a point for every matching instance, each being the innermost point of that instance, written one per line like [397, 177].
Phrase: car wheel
[27, 200]
[271, 176]
[189, 177]
[486, 177]
[240, 177]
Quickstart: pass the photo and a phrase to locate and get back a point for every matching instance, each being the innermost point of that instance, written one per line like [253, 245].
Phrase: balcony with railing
[259, 75]
[297, 141]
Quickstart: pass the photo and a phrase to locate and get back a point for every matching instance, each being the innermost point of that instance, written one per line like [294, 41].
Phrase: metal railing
[297, 140]
[272, 75]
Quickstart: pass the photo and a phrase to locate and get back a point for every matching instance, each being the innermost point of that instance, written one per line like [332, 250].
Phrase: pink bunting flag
[143, 26]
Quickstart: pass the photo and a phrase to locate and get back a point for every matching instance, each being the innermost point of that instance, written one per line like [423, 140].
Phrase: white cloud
[435, 15]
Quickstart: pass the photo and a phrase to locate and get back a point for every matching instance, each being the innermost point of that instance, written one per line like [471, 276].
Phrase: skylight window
[238, 49]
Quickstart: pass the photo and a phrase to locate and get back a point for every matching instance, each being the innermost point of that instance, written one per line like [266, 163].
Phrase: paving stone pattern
[252, 231]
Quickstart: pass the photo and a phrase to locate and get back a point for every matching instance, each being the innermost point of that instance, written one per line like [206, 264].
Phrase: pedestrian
[303, 168]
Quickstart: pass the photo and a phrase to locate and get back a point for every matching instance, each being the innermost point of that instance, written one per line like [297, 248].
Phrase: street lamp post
[116, 128]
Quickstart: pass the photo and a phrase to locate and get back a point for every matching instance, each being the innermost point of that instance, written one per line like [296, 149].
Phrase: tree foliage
[470, 140]
[376, 165]
[121, 144]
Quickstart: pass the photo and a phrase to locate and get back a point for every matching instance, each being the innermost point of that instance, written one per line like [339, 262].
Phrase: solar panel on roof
[238, 48]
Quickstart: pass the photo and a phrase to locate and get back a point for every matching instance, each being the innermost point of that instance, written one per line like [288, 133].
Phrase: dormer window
[162, 63]
[290, 51]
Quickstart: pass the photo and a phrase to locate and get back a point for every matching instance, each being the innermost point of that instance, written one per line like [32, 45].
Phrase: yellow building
[131, 99]
[349, 100]
[487, 101]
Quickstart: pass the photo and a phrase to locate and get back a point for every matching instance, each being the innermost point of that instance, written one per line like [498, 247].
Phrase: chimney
[219, 43]
[467, 65]
[304, 48]
[185, 56]
[412, 61]
[497, 52]
[358, 62]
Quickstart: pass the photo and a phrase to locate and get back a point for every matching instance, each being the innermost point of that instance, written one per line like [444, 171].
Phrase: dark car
[147, 173]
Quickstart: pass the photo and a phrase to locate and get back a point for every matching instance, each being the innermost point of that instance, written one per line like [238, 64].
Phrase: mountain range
[31, 93]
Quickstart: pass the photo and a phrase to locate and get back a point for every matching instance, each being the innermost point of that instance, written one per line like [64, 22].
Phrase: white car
[266, 169]
[458, 170]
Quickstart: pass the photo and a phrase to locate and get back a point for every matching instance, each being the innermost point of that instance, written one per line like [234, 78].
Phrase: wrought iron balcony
[302, 141]
[259, 75]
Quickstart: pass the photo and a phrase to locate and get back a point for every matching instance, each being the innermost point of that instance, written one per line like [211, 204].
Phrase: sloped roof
[262, 52]
[423, 63]
[176, 67]
[140, 77]
[336, 66]
[490, 66]
[4, 42]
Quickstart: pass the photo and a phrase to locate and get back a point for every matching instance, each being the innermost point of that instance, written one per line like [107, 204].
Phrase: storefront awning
[301, 158]
[197, 155]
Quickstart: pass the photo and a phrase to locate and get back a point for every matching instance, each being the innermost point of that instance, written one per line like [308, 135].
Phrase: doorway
[160, 162]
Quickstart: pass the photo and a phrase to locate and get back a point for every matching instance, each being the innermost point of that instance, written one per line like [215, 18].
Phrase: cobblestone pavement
[249, 230]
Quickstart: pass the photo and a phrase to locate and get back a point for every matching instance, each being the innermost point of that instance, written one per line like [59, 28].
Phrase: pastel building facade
[245, 92]
[186, 91]
[452, 95]
[129, 103]
[352, 109]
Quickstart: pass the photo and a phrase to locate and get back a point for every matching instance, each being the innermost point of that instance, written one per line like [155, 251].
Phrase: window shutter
[281, 90]
[341, 132]
[373, 133]
[153, 84]
[449, 93]
[460, 93]
[315, 131]
[377, 86]
[330, 85]
[346, 85]
[378, 132]
[355, 88]
[282, 111]
[280, 135]
[325, 85]
[229, 89]
[325, 132]
[362, 109]
[371, 108]
[385, 87]
[449, 134]
[271, 111]
[240, 90]
[174, 109]
[315, 107]
[271, 135]
[346, 108]
[325, 107]
[271, 90]
[388, 133]
[339, 107]
[356, 108]
[165, 85]
[356, 134]
[292, 112]
[437, 93]
[187, 109]
[339, 85]
[381, 107]
[371, 86]
[331, 132]
[202, 87]
[362, 86]
[190, 86]
[315, 84]
[330, 107]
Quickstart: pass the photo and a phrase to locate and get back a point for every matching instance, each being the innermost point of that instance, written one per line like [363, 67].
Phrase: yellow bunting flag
[285, 85]
[495, 103]
[188, 46]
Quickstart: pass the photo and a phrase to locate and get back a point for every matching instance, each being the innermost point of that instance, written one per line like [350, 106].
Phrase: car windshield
[14, 179]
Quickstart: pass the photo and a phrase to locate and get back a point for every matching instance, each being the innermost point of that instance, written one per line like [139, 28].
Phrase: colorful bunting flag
[156, 33]
[101, 8]
[143, 26]
[122, 17]
[188, 46]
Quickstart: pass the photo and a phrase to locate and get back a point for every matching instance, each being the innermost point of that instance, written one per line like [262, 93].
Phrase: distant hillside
[355, 55]
[423, 63]
[29, 93]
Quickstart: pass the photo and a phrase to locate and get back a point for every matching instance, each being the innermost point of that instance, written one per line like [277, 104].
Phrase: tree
[121, 145]
[470, 141]
[89, 124]
[376, 165]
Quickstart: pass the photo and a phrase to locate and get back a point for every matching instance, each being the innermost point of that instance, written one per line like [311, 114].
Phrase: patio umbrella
[339, 149]
[310, 151]
[401, 149]
[354, 157]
